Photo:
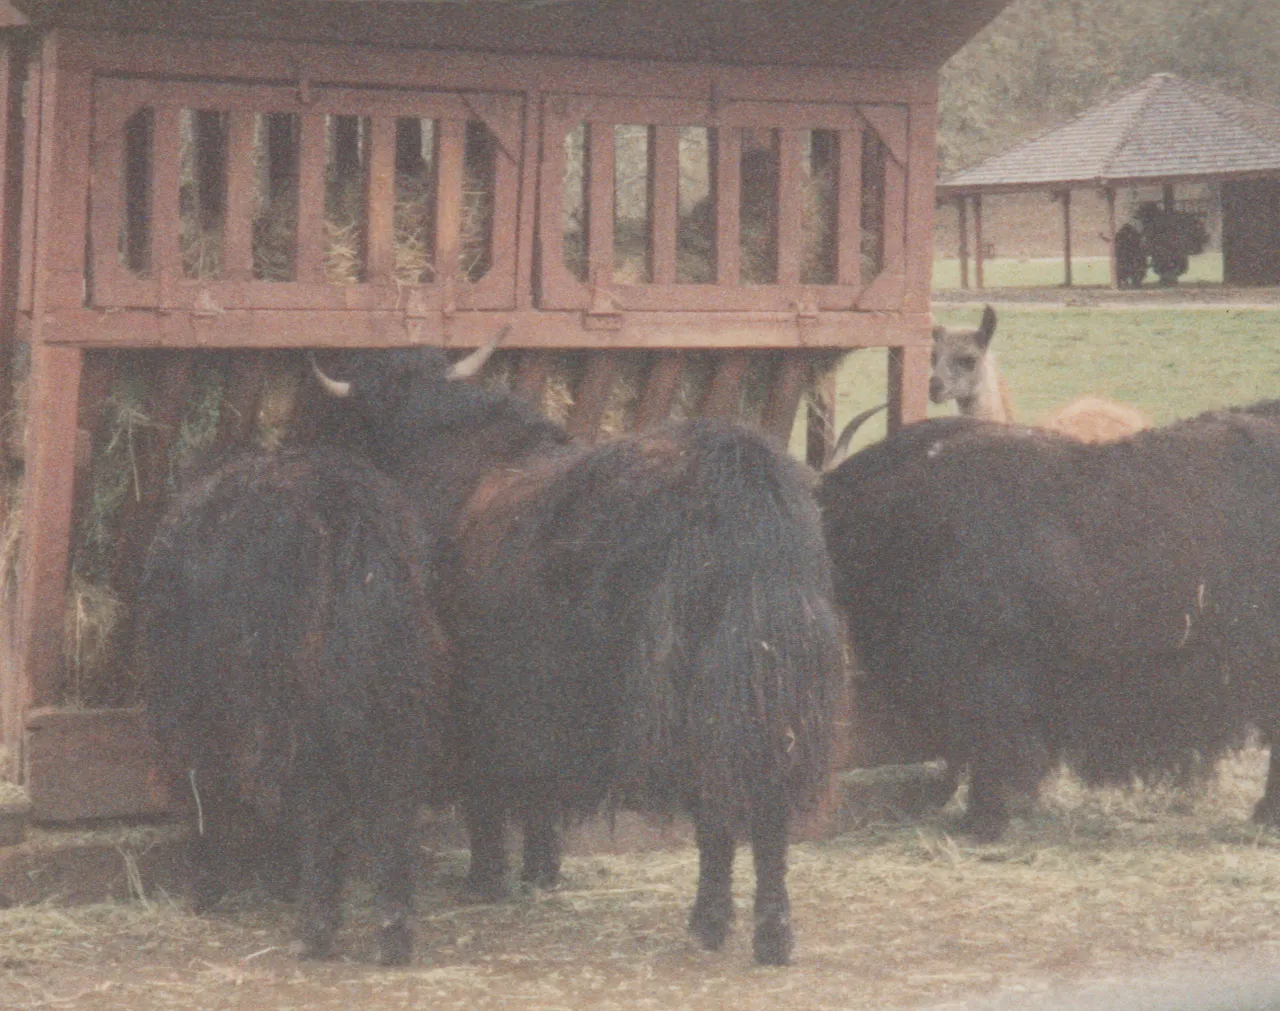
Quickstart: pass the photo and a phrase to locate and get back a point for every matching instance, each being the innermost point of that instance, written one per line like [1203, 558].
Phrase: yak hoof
[205, 894]
[395, 944]
[543, 879]
[709, 923]
[773, 941]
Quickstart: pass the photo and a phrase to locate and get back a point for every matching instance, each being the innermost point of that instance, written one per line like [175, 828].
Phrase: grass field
[1047, 271]
[1171, 363]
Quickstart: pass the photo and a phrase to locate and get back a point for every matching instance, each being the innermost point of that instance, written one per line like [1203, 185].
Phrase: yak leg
[1267, 811]
[486, 824]
[713, 908]
[994, 729]
[987, 815]
[541, 848]
[393, 838]
[773, 940]
[320, 829]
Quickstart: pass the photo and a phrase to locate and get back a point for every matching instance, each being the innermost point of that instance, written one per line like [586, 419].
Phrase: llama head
[959, 361]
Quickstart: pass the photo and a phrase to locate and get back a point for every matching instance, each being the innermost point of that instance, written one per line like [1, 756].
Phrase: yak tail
[749, 635]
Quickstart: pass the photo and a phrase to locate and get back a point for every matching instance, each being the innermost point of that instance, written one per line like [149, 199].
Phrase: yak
[296, 671]
[1017, 597]
[646, 622]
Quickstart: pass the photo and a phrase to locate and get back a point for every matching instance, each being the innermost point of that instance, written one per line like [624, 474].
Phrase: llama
[965, 370]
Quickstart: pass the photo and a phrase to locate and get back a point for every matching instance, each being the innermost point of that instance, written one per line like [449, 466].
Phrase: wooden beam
[1065, 197]
[92, 764]
[908, 385]
[962, 226]
[1110, 194]
[979, 255]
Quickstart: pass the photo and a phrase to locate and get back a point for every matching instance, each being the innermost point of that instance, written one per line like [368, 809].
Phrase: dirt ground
[1095, 887]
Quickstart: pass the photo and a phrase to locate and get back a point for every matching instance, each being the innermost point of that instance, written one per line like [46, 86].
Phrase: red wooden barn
[653, 189]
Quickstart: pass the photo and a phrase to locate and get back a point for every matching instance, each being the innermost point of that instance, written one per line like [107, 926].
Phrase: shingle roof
[1165, 128]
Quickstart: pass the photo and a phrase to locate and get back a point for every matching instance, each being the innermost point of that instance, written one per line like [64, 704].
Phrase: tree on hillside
[1044, 61]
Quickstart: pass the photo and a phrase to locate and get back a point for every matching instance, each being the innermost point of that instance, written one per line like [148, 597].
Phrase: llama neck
[991, 401]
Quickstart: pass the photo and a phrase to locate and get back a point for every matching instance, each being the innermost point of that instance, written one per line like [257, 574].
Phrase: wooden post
[962, 224]
[978, 253]
[1110, 193]
[1065, 197]
[908, 385]
[1170, 205]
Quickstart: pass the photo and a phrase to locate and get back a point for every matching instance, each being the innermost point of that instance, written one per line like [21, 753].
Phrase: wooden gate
[182, 197]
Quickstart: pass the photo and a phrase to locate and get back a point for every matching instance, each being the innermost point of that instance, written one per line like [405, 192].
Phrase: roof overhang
[894, 34]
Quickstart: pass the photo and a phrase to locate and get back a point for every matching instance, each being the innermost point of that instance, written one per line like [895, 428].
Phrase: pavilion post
[1065, 197]
[962, 226]
[1110, 193]
[1170, 205]
[978, 253]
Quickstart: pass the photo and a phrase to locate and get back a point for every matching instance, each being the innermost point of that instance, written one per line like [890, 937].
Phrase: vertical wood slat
[107, 178]
[237, 239]
[664, 218]
[30, 178]
[820, 430]
[451, 139]
[532, 372]
[600, 184]
[381, 198]
[660, 389]
[245, 377]
[12, 65]
[525, 181]
[849, 210]
[592, 396]
[171, 377]
[725, 391]
[728, 187]
[166, 253]
[785, 392]
[790, 208]
[309, 267]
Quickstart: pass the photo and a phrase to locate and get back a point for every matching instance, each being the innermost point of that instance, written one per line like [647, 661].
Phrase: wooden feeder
[744, 183]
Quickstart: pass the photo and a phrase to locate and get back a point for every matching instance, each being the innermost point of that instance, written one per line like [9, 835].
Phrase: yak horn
[332, 386]
[854, 424]
[467, 367]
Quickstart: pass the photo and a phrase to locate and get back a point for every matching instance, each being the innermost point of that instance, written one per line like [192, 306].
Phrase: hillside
[1043, 61]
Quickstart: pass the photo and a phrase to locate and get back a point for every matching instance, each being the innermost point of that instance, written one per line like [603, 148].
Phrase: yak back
[1125, 592]
[284, 629]
[650, 620]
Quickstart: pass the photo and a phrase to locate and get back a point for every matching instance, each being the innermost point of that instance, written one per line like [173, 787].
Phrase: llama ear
[987, 327]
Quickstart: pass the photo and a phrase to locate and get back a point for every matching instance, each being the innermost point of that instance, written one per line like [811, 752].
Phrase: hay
[1096, 885]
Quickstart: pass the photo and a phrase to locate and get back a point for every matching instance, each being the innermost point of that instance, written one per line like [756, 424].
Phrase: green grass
[1045, 272]
[1171, 363]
